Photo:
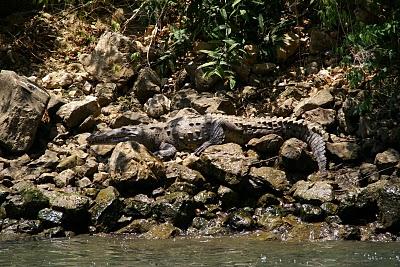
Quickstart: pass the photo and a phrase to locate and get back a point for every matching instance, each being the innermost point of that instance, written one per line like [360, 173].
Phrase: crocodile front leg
[167, 151]
[217, 136]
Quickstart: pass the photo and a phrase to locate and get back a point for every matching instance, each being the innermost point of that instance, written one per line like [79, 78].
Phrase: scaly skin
[196, 133]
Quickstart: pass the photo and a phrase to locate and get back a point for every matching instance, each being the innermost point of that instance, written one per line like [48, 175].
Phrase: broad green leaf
[208, 64]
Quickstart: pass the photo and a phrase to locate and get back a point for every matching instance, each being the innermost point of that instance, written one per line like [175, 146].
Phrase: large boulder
[75, 112]
[22, 104]
[133, 167]
[110, 60]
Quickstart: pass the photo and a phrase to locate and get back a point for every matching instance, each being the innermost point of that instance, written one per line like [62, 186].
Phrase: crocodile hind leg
[167, 151]
[217, 136]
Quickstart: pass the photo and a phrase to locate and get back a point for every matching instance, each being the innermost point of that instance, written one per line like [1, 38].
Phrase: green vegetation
[367, 35]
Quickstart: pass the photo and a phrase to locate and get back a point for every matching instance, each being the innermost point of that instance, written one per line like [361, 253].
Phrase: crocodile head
[130, 133]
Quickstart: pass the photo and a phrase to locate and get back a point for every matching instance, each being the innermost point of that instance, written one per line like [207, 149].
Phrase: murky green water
[239, 251]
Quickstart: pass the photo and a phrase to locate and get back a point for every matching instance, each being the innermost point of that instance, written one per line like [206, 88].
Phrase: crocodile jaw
[114, 136]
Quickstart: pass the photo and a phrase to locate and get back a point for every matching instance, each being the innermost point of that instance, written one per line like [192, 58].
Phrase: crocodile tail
[311, 133]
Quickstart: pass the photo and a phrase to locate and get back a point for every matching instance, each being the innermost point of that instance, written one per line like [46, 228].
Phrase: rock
[110, 60]
[129, 118]
[387, 159]
[176, 207]
[137, 226]
[138, 207]
[205, 197]
[74, 206]
[267, 200]
[189, 188]
[133, 167]
[31, 227]
[229, 198]
[22, 105]
[64, 178]
[106, 93]
[157, 105]
[201, 82]
[321, 99]
[291, 42]
[369, 173]
[389, 206]
[162, 231]
[344, 150]
[58, 79]
[51, 217]
[360, 207]
[202, 103]
[273, 178]
[180, 173]
[267, 145]
[146, 85]
[75, 112]
[227, 163]
[294, 156]
[240, 220]
[49, 159]
[26, 205]
[311, 213]
[320, 191]
[106, 209]
[324, 117]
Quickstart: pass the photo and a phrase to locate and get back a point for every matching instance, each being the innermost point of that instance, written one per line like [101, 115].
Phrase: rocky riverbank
[53, 184]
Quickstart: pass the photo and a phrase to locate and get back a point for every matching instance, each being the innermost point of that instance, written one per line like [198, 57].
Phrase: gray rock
[74, 206]
[389, 206]
[110, 60]
[205, 197]
[273, 178]
[22, 104]
[133, 166]
[240, 220]
[321, 191]
[138, 226]
[162, 231]
[369, 173]
[181, 173]
[387, 159]
[202, 83]
[106, 209]
[321, 99]
[202, 103]
[64, 178]
[157, 105]
[105, 93]
[344, 150]
[294, 156]
[176, 207]
[267, 145]
[267, 200]
[75, 112]
[26, 205]
[129, 118]
[311, 213]
[229, 198]
[227, 163]
[324, 117]
[189, 188]
[147, 84]
[138, 207]
[51, 217]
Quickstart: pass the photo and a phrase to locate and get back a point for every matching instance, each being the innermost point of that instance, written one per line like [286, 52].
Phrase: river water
[225, 251]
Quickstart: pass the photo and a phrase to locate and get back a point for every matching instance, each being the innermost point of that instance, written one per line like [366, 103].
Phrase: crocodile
[197, 132]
